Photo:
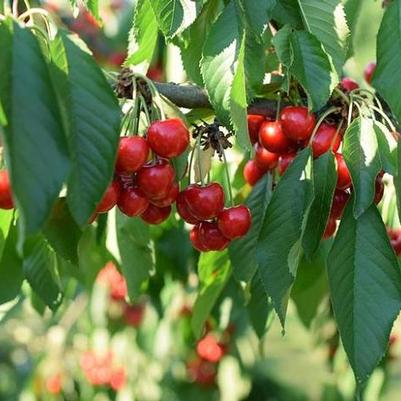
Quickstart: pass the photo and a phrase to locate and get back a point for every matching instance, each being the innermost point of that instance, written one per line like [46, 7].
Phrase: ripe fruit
[297, 122]
[264, 159]
[209, 349]
[344, 178]
[110, 198]
[348, 84]
[202, 372]
[379, 190]
[156, 180]
[168, 138]
[206, 202]
[133, 152]
[340, 200]
[235, 222]
[254, 123]
[369, 71]
[395, 239]
[252, 173]
[284, 162]
[272, 137]
[194, 238]
[326, 138]
[156, 215]
[330, 228]
[183, 210]
[132, 202]
[211, 237]
[170, 198]
[6, 197]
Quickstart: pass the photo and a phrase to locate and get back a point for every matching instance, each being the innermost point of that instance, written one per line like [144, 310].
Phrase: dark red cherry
[110, 198]
[330, 228]
[205, 202]
[340, 200]
[156, 179]
[379, 190]
[348, 84]
[194, 238]
[264, 159]
[6, 196]
[252, 173]
[183, 210]
[254, 123]
[156, 215]
[344, 177]
[168, 138]
[132, 202]
[170, 198]
[235, 222]
[297, 122]
[133, 152]
[325, 138]
[369, 71]
[272, 137]
[284, 162]
[211, 237]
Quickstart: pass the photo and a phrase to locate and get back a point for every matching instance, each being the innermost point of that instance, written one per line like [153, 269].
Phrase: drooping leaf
[352, 10]
[259, 12]
[91, 116]
[35, 148]
[362, 156]
[281, 231]
[365, 287]
[288, 12]
[387, 146]
[281, 42]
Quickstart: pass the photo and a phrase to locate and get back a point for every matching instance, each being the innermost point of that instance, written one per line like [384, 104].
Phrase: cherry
[344, 178]
[272, 137]
[156, 179]
[209, 349]
[170, 198]
[254, 123]
[284, 162]
[264, 159]
[133, 152]
[369, 71]
[206, 202]
[235, 222]
[202, 372]
[340, 200]
[348, 84]
[132, 202]
[110, 198]
[325, 138]
[168, 138]
[252, 173]
[196, 242]
[156, 215]
[6, 196]
[330, 228]
[379, 190]
[395, 239]
[211, 237]
[183, 209]
[297, 122]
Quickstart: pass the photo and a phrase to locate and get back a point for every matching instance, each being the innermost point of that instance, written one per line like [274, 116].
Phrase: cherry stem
[199, 150]
[385, 117]
[191, 161]
[136, 109]
[278, 106]
[342, 94]
[350, 109]
[144, 107]
[230, 191]
[331, 110]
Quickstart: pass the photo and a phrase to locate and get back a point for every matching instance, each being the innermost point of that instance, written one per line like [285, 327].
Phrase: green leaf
[387, 145]
[93, 7]
[397, 180]
[91, 116]
[326, 20]
[143, 36]
[352, 10]
[311, 67]
[39, 268]
[388, 74]
[62, 232]
[243, 251]
[281, 42]
[324, 183]
[310, 286]
[34, 142]
[288, 12]
[214, 270]
[137, 262]
[361, 153]
[259, 12]
[281, 231]
[365, 287]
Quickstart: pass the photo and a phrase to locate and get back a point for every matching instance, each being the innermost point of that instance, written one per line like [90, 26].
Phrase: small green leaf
[352, 10]
[259, 12]
[288, 12]
[365, 287]
[387, 148]
[281, 42]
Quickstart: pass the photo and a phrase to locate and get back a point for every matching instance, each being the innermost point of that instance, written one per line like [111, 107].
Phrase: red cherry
[326, 138]
[284, 162]
[348, 84]
[254, 123]
[133, 314]
[395, 239]
[132, 202]
[126, 180]
[6, 196]
[297, 122]
[209, 349]
[169, 199]
[110, 198]
[330, 228]
[379, 190]
[183, 210]
[340, 200]
[133, 152]
[206, 202]
[196, 242]
[156, 215]
[252, 173]
[211, 237]
[156, 180]
[202, 372]
[272, 137]
[344, 178]
[264, 159]
[168, 138]
[235, 222]
[369, 71]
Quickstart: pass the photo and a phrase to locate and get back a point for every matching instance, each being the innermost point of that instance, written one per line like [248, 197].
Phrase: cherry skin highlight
[297, 122]
[272, 137]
